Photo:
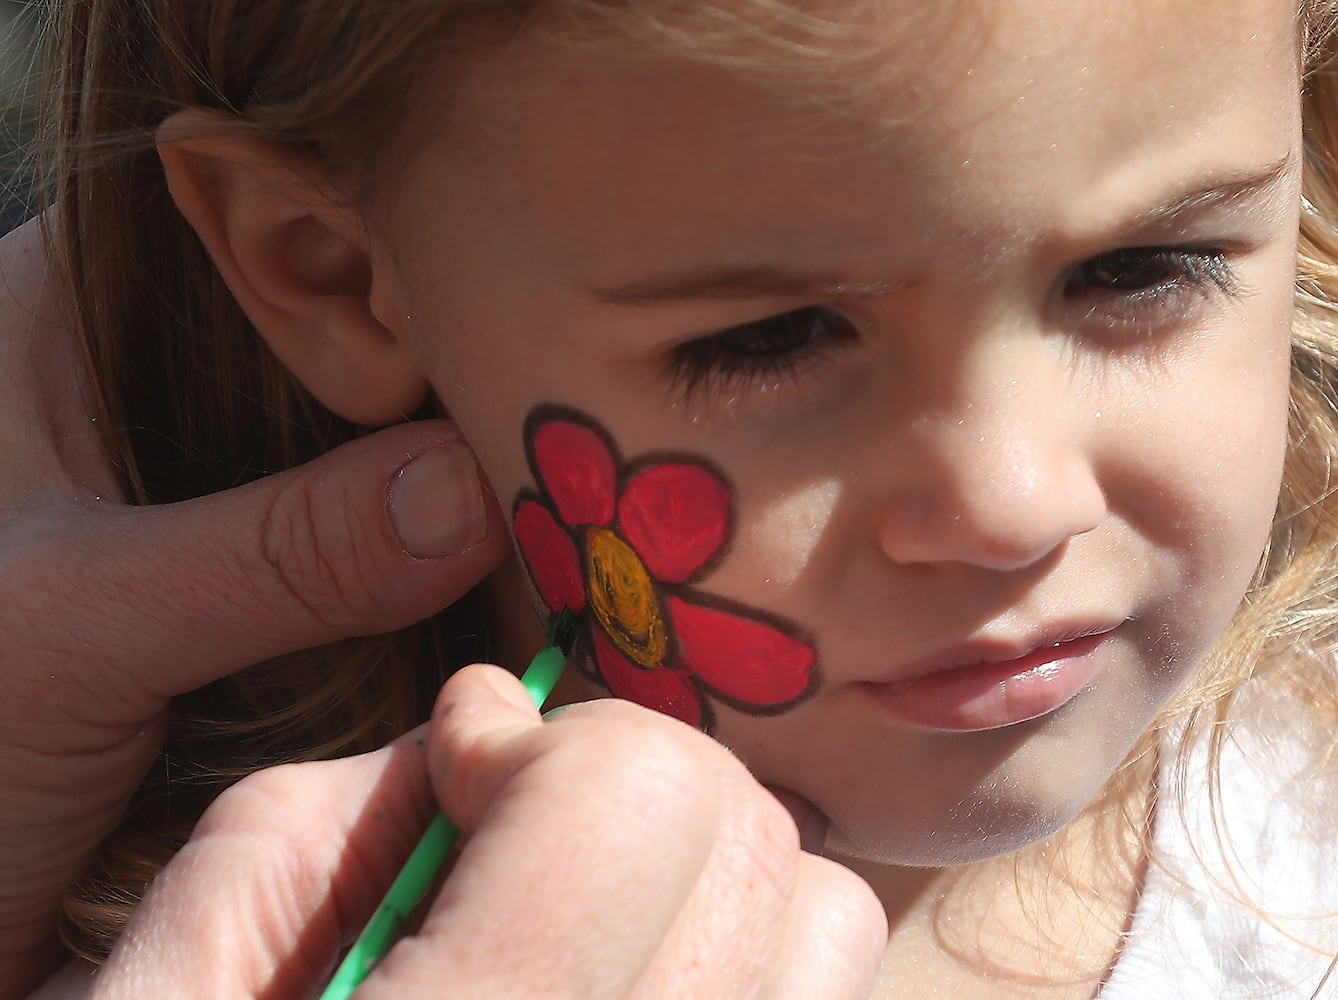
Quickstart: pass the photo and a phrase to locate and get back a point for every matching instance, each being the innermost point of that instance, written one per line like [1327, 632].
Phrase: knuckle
[313, 550]
[267, 802]
[282, 829]
[852, 912]
[653, 762]
[616, 763]
[658, 783]
[283, 817]
[767, 844]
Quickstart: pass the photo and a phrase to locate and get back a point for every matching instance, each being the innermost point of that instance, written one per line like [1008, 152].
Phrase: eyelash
[759, 353]
[1147, 286]
[1133, 287]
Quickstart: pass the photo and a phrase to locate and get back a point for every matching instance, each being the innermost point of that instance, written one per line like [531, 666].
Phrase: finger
[284, 868]
[835, 939]
[591, 833]
[726, 940]
[808, 819]
[371, 537]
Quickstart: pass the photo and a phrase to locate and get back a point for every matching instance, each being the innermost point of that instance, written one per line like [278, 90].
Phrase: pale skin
[995, 442]
[998, 444]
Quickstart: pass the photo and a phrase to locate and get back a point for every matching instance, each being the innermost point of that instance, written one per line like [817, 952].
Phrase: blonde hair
[195, 402]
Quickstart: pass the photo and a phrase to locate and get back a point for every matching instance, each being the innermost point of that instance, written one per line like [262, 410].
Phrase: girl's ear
[297, 261]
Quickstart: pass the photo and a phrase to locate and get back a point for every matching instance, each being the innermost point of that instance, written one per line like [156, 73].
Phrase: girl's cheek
[629, 551]
[780, 536]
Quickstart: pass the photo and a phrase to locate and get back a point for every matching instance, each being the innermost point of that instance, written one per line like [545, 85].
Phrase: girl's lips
[993, 694]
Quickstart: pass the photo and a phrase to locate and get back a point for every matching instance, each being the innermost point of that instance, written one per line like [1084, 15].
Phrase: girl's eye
[1149, 284]
[762, 352]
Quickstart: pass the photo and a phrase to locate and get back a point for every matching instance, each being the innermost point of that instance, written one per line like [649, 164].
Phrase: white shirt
[1198, 932]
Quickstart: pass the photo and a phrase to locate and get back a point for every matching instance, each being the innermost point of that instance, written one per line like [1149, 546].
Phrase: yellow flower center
[622, 597]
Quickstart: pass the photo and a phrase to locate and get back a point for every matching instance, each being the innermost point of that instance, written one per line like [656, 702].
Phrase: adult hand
[107, 610]
[610, 853]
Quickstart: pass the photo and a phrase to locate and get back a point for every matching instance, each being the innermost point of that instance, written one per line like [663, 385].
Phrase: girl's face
[985, 349]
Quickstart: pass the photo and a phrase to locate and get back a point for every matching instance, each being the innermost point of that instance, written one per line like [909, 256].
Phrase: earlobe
[297, 261]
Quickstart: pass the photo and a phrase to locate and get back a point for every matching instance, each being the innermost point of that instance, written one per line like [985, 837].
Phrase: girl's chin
[1004, 817]
[955, 842]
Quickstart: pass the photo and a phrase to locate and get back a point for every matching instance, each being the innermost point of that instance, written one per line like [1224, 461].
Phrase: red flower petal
[661, 688]
[576, 468]
[745, 660]
[550, 556]
[676, 516]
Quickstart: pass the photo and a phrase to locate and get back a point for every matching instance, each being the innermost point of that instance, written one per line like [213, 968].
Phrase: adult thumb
[371, 537]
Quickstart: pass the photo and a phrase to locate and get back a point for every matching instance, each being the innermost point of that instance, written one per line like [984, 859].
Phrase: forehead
[841, 49]
[984, 109]
[885, 60]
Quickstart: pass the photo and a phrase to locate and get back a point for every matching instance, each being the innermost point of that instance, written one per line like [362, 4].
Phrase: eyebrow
[706, 282]
[724, 282]
[1218, 193]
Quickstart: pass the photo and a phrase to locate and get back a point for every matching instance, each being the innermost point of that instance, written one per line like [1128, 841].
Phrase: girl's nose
[1000, 489]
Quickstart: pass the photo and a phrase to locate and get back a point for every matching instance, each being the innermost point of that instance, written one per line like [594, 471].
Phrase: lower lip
[994, 695]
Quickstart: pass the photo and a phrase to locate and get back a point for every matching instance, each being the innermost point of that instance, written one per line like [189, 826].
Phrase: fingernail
[436, 503]
[807, 817]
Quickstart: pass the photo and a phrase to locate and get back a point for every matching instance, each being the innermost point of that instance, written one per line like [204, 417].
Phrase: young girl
[924, 401]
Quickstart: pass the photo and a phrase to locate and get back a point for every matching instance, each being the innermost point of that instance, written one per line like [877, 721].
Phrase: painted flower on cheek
[618, 546]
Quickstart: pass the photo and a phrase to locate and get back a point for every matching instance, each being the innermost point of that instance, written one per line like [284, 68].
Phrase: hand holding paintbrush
[606, 852]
